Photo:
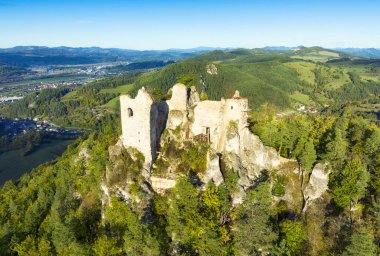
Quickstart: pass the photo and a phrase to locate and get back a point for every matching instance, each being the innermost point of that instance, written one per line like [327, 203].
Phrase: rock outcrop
[318, 184]
[213, 170]
[222, 125]
[245, 153]
[160, 185]
[211, 69]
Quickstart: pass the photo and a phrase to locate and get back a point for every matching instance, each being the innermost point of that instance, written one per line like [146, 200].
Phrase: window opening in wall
[208, 134]
[232, 107]
[130, 112]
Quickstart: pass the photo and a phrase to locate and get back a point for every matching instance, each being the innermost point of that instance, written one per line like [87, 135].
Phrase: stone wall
[178, 106]
[135, 122]
[214, 117]
[143, 121]
[208, 117]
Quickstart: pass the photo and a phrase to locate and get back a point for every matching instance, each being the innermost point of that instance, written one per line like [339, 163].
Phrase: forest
[57, 208]
[61, 207]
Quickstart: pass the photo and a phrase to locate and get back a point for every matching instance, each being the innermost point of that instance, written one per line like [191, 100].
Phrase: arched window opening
[208, 134]
[232, 107]
[130, 112]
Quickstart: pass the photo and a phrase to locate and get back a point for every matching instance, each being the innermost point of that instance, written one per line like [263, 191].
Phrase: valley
[189, 128]
[186, 175]
[29, 69]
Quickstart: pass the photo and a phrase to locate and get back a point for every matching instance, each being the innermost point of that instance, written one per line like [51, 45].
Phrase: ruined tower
[142, 122]
[135, 122]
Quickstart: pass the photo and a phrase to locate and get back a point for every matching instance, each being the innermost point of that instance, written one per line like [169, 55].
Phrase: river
[13, 164]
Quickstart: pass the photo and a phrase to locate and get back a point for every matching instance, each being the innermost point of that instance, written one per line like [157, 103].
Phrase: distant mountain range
[362, 52]
[25, 56]
[41, 55]
[359, 52]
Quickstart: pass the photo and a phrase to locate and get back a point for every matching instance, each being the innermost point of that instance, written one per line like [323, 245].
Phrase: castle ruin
[223, 124]
[143, 121]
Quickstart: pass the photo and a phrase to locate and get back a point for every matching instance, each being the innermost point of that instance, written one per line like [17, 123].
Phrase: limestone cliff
[163, 141]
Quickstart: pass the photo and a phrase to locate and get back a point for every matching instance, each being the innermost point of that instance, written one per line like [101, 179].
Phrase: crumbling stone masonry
[143, 121]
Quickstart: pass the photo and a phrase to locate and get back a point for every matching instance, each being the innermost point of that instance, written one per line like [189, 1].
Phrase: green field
[14, 164]
[366, 72]
[316, 54]
[120, 89]
[69, 96]
[304, 70]
[330, 77]
[115, 102]
[303, 99]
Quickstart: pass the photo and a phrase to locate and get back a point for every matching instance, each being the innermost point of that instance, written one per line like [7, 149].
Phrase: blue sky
[148, 24]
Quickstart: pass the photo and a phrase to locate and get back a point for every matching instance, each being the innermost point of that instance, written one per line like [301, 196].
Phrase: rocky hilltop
[210, 139]
[187, 176]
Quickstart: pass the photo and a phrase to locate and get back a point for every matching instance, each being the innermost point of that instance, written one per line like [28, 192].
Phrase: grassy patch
[366, 72]
[114, 103]
[120, 89]
[315, 58]
[302, 98]
[304, 70]
[328, 53]
[70, 96]
[327, 77]
[335, 77]
[316, 54]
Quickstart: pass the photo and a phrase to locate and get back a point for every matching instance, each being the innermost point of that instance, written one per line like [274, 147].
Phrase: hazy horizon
[159, 25]
[191, 48]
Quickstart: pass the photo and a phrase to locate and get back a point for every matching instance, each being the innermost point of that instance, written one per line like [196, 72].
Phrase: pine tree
[350, 184]
[361, 244]
[308, 155]
[253, 231]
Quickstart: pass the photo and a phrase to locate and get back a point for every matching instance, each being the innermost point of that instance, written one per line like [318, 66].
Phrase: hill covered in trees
[281, 78]
[95, 199]
[58, 208]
